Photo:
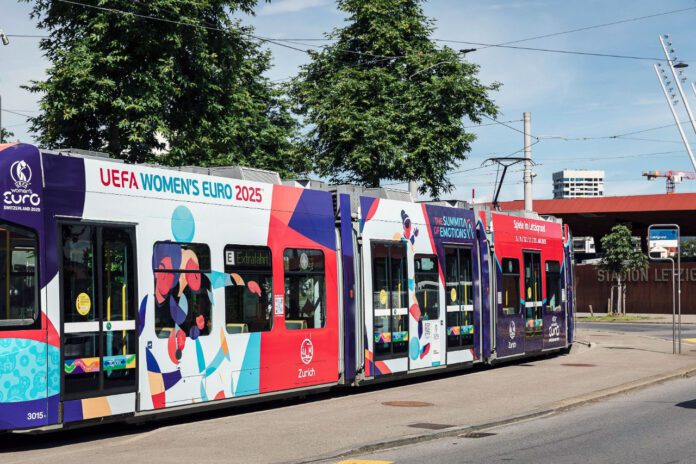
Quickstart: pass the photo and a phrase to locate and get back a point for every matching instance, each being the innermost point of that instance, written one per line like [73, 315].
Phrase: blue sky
[568, 95]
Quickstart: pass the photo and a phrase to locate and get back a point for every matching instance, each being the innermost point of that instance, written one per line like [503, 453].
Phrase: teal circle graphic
[414, 348]
[183, 224]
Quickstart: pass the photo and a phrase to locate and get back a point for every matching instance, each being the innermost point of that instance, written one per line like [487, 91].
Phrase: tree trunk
[114, 147]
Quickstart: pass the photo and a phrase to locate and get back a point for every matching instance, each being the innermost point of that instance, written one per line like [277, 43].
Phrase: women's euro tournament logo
[21, 174]
[21, 198]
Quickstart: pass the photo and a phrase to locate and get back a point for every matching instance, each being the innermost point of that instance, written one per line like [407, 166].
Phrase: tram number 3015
[38, 415]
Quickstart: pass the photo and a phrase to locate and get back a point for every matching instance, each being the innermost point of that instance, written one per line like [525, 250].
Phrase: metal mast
[662, 77]
[527, 161]
[678, 79]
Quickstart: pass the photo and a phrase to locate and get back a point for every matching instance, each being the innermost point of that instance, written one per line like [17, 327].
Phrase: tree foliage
[190, 84]
[384, 102]
[620, 254]
[5, 135]
[688, 248]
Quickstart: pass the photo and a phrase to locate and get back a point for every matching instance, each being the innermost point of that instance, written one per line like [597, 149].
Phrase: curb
[554, 408]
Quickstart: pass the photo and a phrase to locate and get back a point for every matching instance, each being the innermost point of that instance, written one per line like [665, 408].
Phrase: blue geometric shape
[171, 378]
[414, 349]
[141, 315]
[177, 312]
[152, 365]
[219, 279]
[72, 411]
[248, 383]
[183, 224]
[313, 218]
[199, 355]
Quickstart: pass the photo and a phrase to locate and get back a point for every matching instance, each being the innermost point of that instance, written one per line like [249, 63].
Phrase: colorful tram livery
[129, 290]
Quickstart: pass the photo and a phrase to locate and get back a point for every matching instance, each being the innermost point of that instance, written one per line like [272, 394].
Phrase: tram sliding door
[459, 297]
[390, 300]
[98, 297]
[534, 323]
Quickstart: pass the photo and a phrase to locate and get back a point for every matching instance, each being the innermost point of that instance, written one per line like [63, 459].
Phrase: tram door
[534, 325]
[390, 300]
[98, 308]
[459, 297]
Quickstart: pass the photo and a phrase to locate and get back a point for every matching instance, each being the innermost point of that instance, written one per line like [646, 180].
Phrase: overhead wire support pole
[527, 161]
[674, 114]
[677, 79]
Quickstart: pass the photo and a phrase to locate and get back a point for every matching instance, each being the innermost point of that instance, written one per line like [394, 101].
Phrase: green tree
[5, 135]
[620, 256]
[688, 248]
[384, 102]
[189, 83]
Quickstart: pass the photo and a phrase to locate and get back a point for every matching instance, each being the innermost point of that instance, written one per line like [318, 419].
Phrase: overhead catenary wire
[494, 123]
[284, 42]
[16, 113]
[604, 137]
[555, 50]
[506, 125]
[596, 26]
[280, 43]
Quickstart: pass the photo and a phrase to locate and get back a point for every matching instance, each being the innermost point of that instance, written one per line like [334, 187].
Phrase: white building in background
[574, 183]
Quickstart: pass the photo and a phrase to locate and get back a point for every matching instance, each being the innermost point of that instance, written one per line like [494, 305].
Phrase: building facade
[574, 183]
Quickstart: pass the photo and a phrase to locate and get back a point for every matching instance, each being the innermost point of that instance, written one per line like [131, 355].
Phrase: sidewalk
[341, 425]
[648, 318]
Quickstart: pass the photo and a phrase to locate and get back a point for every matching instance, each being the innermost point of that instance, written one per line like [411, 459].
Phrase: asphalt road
[663, 331]
[653, 426]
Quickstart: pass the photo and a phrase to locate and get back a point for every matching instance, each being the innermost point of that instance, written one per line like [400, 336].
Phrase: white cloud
[290, 6]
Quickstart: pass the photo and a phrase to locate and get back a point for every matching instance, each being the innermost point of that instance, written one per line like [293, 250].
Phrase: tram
[130, 291]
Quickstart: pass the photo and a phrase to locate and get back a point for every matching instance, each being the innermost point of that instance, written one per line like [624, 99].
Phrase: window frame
[538, 307]
[517, 274]
[201, 270]
[558, 308]
[437, 283]
[288, 272]
[230, 266]
[35, 323]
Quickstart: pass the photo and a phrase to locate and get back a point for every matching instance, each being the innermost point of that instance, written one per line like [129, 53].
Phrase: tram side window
[18, 277]
[249, 302]
[181, 288]
[511, 286]
[427, 286]
[553, 285]
[79, 278]
[305, 296]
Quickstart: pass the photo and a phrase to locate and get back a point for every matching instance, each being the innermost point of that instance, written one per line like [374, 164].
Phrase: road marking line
[690, 340]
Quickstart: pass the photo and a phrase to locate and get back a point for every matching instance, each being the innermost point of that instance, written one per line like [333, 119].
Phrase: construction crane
[672, 177]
